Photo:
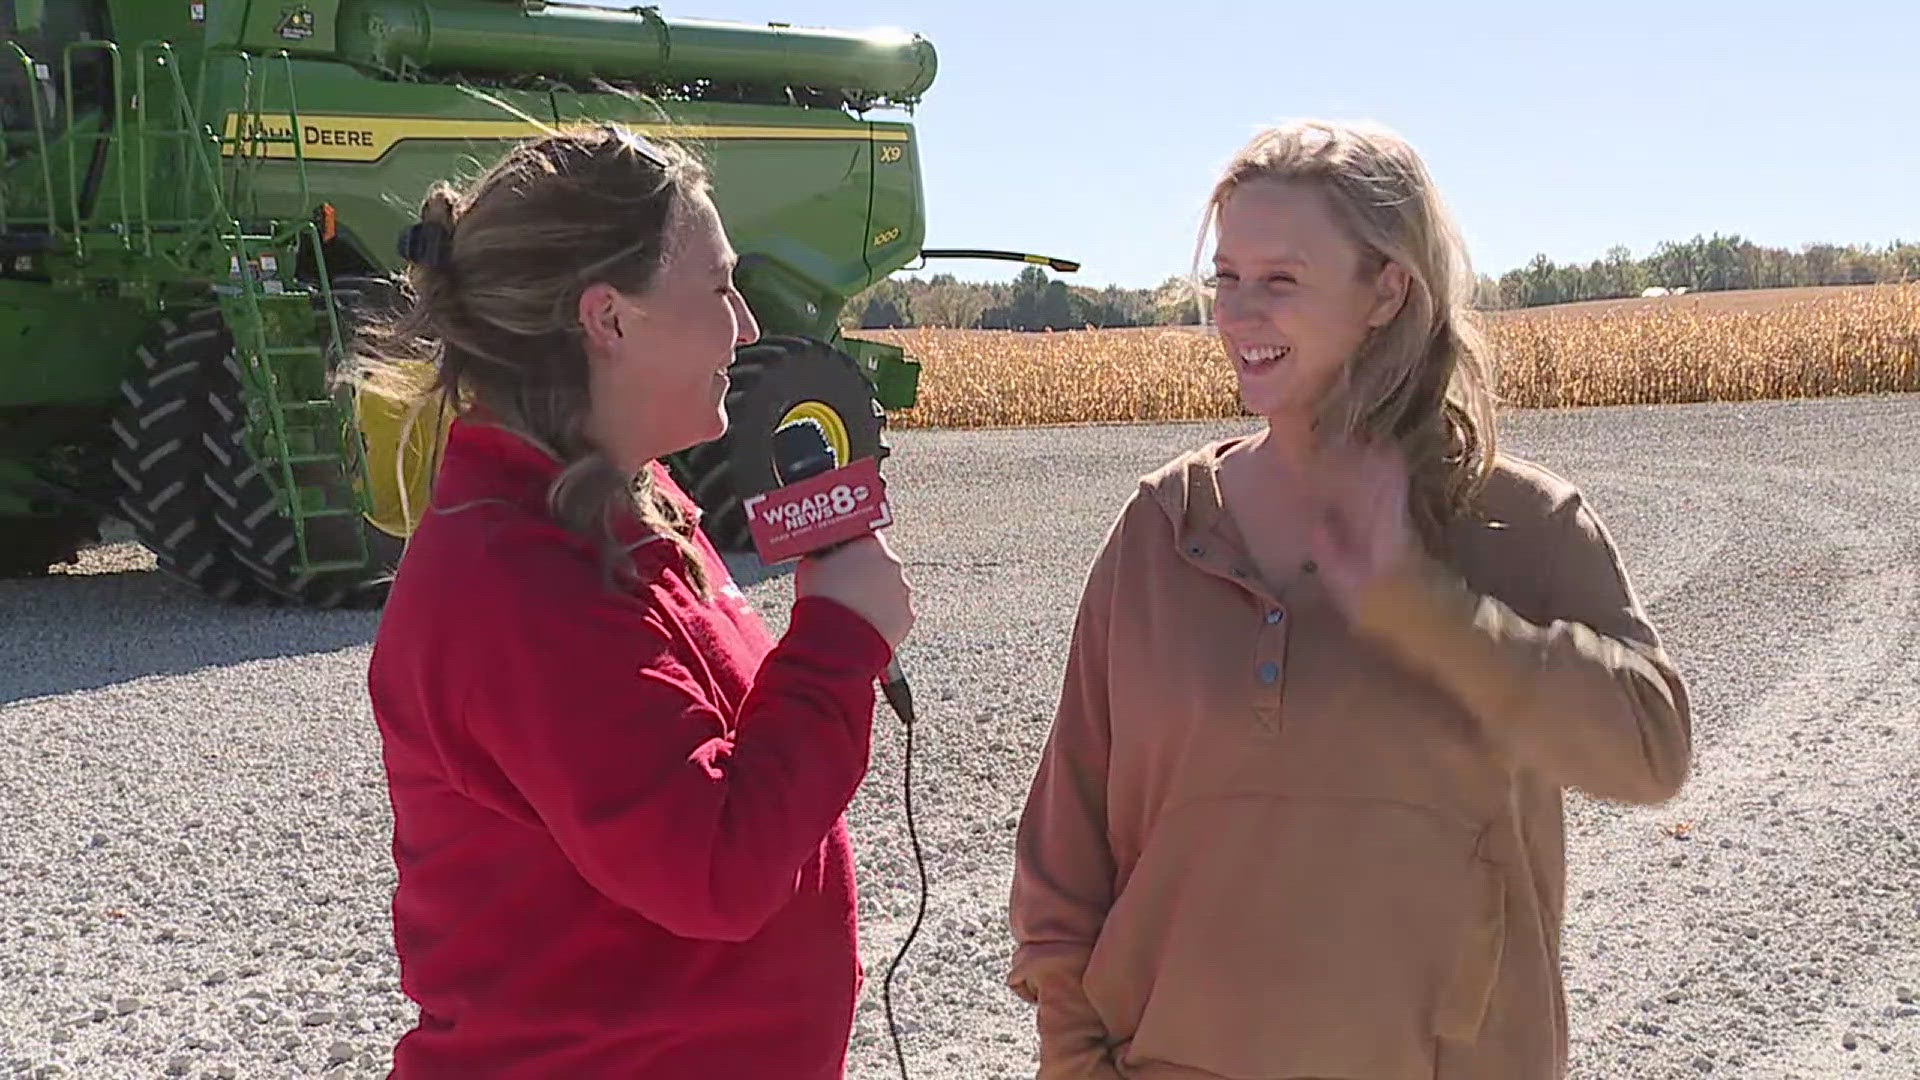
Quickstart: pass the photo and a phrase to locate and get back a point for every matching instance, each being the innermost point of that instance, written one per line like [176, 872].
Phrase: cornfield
[1700, 347]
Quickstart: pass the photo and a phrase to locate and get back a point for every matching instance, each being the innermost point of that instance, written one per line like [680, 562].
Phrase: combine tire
[247, 507]
[31, 545]
[775, 382]
[159, 458]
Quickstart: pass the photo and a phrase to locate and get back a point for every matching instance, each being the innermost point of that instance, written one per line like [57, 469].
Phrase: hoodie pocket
[1262, 935]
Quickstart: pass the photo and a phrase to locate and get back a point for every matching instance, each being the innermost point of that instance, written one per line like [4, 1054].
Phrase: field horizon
[1737, 345]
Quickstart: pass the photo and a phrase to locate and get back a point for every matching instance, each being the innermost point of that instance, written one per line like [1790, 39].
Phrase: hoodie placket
[1271, 622]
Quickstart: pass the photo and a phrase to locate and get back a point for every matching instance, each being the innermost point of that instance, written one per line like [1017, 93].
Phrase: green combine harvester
[198, 199]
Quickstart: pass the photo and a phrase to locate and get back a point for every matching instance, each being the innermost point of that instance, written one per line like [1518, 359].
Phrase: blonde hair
[1425, 379]
[495, 300]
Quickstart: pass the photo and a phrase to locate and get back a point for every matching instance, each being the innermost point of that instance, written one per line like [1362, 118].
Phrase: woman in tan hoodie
[1299, 813]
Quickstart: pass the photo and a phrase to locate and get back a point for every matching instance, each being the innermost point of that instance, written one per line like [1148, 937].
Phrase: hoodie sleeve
[588, 714]
[1063, 877]
[1588, 699]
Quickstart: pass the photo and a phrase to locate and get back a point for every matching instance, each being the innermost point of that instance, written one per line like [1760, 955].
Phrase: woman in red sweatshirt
[618, 803]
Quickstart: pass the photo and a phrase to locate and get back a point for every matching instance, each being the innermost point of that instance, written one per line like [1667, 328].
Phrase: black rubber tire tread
[30, 546]
[246, 505]
[160, 460]
[768, 378]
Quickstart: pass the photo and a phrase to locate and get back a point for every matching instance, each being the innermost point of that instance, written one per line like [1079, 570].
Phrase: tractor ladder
[282, 344]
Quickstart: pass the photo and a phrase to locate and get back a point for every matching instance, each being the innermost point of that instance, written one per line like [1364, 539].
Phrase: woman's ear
[1390, 294]
[600, 312]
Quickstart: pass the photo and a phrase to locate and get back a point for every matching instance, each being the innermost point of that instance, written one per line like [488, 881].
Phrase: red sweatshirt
[617, 814]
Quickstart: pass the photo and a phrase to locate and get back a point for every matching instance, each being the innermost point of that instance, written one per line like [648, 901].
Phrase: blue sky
[1093, 130]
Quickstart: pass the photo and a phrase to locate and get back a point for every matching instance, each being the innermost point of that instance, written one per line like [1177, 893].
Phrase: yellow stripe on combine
[369, 138]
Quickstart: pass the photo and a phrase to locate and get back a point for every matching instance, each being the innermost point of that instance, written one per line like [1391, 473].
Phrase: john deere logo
[296, 24]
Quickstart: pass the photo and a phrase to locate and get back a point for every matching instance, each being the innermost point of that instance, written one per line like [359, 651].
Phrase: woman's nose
[746, 328]
[1233, 308]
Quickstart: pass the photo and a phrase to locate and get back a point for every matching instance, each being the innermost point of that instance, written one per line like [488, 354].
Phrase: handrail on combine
[249, 137]
[113, 135]
[143, 133]
[40, 135]
[190, 133]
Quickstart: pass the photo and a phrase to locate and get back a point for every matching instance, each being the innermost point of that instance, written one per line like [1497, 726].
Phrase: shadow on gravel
[69, 632]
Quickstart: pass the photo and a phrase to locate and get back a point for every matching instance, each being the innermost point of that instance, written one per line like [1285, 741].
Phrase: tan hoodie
[1263, 842]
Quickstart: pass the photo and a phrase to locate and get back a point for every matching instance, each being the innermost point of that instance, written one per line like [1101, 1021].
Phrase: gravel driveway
[193, 824]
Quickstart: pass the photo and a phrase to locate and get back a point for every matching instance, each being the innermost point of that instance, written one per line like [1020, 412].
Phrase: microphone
[800, 452]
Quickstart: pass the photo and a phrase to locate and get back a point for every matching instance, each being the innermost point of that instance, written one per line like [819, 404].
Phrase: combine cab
[199, 200]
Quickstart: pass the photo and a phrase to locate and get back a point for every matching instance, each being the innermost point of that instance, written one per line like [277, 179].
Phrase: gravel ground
[193, 825]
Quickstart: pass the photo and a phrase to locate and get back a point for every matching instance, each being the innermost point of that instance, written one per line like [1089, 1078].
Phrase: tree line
[1035, 301]
[1031, 301]
[1702, 264]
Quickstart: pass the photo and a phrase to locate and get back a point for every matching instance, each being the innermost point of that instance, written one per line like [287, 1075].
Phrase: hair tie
[428, 244]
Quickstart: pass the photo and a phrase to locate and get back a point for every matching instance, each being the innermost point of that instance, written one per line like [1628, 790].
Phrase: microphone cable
[900, 696]
[801, 451]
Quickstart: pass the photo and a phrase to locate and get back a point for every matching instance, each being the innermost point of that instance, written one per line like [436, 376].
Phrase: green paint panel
[63, 349]
[896, 379]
